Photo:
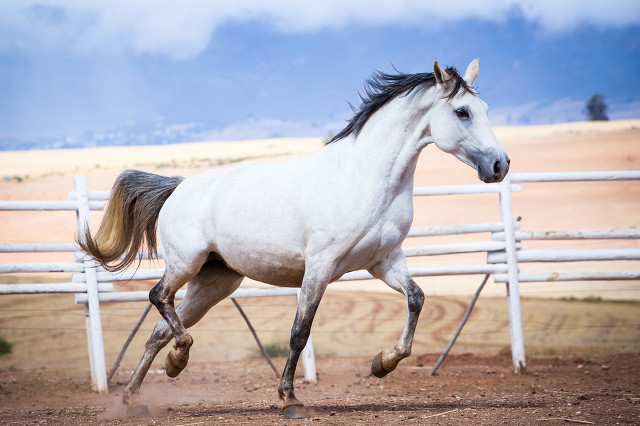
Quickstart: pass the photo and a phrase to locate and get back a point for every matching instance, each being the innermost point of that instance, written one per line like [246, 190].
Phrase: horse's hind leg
[162, 296]
[160, 336]
[395, 273]
[213, 283]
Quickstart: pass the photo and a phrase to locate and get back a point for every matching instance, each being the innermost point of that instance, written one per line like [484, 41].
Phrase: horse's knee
[415, 299]
[299, 337]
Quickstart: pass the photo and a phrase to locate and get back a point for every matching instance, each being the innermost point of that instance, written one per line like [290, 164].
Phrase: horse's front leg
[395, 273]
[313, 287]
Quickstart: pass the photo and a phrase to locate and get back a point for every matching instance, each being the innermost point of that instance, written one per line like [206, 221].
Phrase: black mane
[383, 87]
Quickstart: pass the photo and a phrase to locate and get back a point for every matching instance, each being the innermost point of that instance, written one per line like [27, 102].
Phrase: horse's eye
[462, 113]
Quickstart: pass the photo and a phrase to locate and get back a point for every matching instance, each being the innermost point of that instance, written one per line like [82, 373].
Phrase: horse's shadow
[322, 410]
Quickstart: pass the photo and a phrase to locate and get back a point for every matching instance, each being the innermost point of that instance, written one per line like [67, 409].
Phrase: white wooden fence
[94, 285]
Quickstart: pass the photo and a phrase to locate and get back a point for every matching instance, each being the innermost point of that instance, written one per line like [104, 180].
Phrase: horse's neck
[389, 145]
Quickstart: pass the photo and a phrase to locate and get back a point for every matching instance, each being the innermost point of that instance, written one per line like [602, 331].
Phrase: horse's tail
[130, 219]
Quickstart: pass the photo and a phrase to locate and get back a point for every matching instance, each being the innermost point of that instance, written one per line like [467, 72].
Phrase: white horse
[300, 223]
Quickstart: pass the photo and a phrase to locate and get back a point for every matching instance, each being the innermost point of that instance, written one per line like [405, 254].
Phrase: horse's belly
[282, 271]
[274, 275]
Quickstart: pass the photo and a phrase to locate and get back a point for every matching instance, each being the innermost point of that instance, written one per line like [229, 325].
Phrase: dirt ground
[45, 380]
[468, 389]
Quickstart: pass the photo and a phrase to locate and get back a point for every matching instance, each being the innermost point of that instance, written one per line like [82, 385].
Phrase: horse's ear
[472, 72]
[441, 76]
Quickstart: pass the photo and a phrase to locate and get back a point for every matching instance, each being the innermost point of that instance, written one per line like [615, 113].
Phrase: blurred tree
[596, 108]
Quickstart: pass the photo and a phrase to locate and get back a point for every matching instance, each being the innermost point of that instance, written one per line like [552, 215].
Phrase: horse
[300, 223]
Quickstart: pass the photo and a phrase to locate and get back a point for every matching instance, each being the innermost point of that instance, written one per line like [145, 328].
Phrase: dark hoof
[172, 366]
[138, 410]
[376, 366]
[294, 412]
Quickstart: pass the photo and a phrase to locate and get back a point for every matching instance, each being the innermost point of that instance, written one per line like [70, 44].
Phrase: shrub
[5, 347]
[274, 350]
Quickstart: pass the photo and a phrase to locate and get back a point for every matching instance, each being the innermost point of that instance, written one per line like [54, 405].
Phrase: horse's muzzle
[494, 168]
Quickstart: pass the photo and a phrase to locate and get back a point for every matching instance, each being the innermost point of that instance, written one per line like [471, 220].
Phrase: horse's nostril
[496, 167]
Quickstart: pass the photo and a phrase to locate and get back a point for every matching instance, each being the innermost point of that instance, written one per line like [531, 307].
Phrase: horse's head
[460, 125]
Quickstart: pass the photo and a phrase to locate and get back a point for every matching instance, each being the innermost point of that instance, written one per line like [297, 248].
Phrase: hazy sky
[242, 69]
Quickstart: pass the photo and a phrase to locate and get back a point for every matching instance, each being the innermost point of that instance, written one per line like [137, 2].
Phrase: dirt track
[46, 380]
[468, 390]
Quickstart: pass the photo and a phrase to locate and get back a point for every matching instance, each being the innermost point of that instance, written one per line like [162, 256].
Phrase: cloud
[183, 29]
[624, 111]
[554, 15]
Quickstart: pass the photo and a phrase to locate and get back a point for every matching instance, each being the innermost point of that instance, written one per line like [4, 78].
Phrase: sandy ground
[582, 363]
[467, 390]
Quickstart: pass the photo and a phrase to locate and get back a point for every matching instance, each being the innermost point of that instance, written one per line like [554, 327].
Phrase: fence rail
[143, 296]
[51, 288]
[503, 246]
[39, 247]
[575, 176]
[47, 205]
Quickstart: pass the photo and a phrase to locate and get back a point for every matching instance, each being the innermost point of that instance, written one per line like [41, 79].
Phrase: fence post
[513, 291]
[92, 307]
[308, 357]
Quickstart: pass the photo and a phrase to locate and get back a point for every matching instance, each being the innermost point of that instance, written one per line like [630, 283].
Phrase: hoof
[294, 412]
[377, 368]
[138, 410]
[172, 366]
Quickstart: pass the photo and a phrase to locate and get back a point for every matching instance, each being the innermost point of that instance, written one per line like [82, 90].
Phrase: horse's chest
[375, 244]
